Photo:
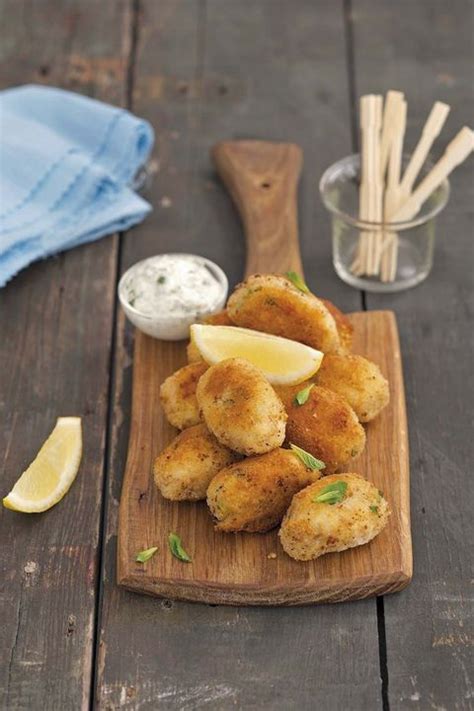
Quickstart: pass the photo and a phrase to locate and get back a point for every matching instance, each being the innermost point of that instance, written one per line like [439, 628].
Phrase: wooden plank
[426, 49]
[207, 73]
[235, 569]
[56, 325]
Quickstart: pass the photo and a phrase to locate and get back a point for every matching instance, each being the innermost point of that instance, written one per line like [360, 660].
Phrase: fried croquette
[343, 325]
[185, 468]
[357, 380]
[325, 425]
[221, 318]
[338, 512]
[271, 303]
[254, 494]
[178, 395]
[241, 408]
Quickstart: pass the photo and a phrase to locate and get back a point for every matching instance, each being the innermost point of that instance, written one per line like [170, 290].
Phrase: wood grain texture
[235, 569]
[429, 630]
[205, 72]
[56, 320]
[208, 70]
[262, 178]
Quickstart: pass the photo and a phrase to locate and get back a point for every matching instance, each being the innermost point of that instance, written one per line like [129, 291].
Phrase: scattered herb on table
[297, 281]
[176, 547]
[308, 460]
[145, 555]
[332, 494]
[302, 396]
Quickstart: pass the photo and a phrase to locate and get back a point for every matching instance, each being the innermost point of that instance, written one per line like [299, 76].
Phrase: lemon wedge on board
[50, 475]
[283, 362]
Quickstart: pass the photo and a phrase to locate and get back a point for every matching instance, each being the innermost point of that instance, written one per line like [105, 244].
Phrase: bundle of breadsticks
[387, 197]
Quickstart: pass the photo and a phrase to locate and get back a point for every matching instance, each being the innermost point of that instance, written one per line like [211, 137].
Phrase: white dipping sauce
[172, 288]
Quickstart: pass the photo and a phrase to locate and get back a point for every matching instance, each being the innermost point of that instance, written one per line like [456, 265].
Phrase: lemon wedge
[283, 362]
[50, 475]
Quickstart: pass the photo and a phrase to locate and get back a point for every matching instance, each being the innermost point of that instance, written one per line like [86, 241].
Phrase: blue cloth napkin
[66, 164]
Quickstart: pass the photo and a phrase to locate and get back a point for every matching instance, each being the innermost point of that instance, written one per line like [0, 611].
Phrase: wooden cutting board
[240, 568]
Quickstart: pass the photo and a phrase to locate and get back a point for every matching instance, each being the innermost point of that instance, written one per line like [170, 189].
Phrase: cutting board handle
[262, 178]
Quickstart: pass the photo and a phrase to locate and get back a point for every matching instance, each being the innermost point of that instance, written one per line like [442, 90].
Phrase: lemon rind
[14, 502]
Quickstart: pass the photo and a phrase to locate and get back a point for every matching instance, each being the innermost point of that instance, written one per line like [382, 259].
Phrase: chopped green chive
[297, 281]
[161, 279]
[145, 555]
[374, 509]
[332, 494]
[308, 460]
[302, 396]
[177, 549]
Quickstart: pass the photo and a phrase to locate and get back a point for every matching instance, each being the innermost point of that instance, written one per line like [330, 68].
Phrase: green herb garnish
[145, 555]
[374, 508]
[297, 281]
[161, 279]
[302, 396]
[332, 494]
[308, 460]
[177, 549]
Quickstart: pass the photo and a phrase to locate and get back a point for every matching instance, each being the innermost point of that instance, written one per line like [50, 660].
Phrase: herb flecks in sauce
[174, 285]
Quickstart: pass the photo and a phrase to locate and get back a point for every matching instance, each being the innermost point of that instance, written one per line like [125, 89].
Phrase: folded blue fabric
[66, 164]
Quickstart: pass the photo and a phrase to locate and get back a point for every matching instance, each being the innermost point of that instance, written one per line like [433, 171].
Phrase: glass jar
[413, 241]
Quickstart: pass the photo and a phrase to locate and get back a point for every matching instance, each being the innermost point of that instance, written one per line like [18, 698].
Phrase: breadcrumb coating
[357, 380]
[240, 407]
[271, 303]
[325, 425]
[178, 395]
[187, 465]
[254, 494]
[311, 528]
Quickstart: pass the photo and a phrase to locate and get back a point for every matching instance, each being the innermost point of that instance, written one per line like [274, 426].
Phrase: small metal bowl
[165, 327]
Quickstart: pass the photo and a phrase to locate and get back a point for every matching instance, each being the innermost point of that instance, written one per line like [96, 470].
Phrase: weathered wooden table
[200, 71]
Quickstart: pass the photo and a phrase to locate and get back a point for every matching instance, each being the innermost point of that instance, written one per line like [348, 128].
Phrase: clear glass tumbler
[339, 188]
